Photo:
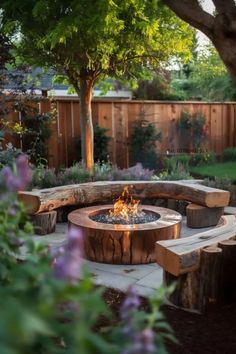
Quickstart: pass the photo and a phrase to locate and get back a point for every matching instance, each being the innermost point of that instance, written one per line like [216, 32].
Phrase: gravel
[141, 218]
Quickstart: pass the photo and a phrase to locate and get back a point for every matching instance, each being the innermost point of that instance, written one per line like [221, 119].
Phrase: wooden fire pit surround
[203, 265]
[124, 244]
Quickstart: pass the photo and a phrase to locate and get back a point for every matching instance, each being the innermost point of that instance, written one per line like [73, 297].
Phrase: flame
[125, 206]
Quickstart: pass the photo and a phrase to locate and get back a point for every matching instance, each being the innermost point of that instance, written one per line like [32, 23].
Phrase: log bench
[202, 266]
[38, 201]
[47, 200]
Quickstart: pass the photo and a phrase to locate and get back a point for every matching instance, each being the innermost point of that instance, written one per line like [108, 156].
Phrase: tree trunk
[86, 124]
[228, 271]
[44, 223]
[227, 51]
[219, 28]
[198, 290]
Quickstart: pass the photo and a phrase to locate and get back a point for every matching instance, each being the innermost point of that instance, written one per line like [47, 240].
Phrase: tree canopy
[206, 78]
[219, 27]
[90, 39]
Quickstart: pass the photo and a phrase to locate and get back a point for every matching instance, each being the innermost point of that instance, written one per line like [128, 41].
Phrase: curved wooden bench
[87, 193]
[202, 266]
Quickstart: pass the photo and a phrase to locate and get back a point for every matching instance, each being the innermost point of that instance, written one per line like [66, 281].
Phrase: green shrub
[8, 155]
[218, 182]
[37, 132]
[171, 162]
[101, 144]
[102, 171]
[74, 174]
[175, 168]
[177, 172]
[229, 154]
[202, 158]
[44, 177]
[142, 144]
[184, 122]
[193, 128]
[198, 122]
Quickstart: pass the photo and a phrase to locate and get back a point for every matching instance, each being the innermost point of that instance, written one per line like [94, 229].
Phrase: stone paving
[146, 277]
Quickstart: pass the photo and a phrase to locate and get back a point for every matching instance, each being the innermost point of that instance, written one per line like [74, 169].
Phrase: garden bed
[213, 333]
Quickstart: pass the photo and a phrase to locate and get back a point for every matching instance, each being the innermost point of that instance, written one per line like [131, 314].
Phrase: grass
[222, 170]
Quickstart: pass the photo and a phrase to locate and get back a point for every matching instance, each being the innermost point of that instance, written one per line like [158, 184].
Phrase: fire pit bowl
[124, 244]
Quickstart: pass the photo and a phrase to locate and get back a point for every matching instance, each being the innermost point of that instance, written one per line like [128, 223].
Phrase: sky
[208, 6]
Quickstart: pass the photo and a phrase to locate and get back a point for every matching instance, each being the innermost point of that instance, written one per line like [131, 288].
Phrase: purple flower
[12, 182]
[139, 342]
[144, 342]
[19, 182]
[127, 310]
[24, 172]
[130, 304]
[68, 265]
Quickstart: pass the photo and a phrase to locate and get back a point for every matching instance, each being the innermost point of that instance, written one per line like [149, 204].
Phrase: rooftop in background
[43, 82]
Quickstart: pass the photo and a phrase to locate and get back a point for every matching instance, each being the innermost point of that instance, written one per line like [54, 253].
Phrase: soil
[213, 333]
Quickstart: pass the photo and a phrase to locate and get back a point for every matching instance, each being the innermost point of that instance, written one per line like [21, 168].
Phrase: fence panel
[118, 118]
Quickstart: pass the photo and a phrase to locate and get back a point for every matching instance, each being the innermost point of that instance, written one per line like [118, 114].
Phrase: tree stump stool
[44, 223]
[202, 267]
[199, 216]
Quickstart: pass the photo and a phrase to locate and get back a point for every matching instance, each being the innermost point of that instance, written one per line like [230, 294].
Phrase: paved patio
[146, 278]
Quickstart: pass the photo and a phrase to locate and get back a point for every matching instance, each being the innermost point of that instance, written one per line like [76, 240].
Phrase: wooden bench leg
[210, 286]
[200, 216]
[44, 223]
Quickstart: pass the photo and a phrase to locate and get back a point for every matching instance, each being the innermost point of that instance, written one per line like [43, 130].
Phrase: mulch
[212, 333]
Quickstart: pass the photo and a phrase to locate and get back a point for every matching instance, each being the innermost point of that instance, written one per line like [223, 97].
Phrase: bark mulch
[213, 333]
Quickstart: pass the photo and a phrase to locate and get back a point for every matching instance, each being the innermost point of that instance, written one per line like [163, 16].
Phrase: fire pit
[125, 233]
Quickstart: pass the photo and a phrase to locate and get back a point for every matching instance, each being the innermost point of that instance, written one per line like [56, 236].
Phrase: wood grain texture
[198, 290]
[124, 244]
[44, 223]
[199, 216]
[183, 255]
[118, 118]
[87, 193]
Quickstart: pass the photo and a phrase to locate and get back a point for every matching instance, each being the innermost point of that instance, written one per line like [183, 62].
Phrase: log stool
[201, 216]
[202, 267]
[44, 223]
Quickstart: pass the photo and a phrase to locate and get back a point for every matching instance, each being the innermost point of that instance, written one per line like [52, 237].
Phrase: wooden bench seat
[44, 200]
[202, 266]
[182, 255]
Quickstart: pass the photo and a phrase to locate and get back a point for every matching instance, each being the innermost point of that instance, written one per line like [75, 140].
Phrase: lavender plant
[144, 333]
[49, 302]
[40, 293]
[44, 177]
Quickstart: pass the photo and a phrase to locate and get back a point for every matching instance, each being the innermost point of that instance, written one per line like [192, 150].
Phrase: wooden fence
[119, 116]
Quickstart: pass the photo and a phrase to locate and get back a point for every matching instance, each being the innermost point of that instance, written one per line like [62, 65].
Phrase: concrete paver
[145, 277]
[152, 280]
[133, 271]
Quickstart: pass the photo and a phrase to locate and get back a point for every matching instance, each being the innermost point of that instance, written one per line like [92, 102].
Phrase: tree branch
[224, 6]
[191, 12]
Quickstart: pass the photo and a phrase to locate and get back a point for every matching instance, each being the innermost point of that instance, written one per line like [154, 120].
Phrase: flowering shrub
[144, 333]
[44, 177]
[49, 303]
[193, 129]
[136, 173]
[202, 158]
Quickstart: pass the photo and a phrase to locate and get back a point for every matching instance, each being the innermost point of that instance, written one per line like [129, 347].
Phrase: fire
[125, 206]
